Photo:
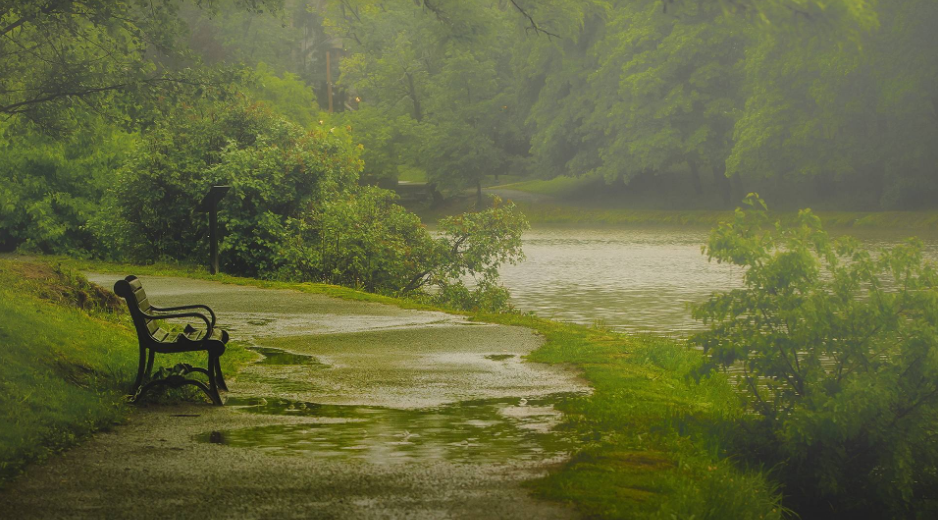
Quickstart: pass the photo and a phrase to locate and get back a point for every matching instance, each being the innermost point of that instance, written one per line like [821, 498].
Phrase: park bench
[153, 339]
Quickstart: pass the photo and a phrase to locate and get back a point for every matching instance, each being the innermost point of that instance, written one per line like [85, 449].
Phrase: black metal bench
[154, 339]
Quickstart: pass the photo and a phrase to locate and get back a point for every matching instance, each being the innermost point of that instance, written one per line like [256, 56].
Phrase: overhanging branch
[534, 26]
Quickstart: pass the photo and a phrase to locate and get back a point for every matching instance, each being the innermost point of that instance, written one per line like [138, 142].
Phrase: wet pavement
[353, 410]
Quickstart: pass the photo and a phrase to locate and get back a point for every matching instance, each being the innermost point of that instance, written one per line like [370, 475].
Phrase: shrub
[50, 188]
[836, 351]
[367, 241]
[275, 169]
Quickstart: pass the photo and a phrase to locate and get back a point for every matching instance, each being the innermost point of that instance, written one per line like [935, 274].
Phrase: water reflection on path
[503, 430]
[631, 279]
[485, 431]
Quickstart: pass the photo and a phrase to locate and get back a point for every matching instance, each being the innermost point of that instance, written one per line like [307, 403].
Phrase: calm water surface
[631, 279]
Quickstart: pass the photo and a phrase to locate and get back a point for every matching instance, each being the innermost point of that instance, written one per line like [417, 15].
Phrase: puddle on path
[486, 431]
[275, 356]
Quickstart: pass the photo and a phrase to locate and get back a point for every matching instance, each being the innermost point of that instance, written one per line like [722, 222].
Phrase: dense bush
[50, 188]
[367, 241]
[836, 351]
[274, 167]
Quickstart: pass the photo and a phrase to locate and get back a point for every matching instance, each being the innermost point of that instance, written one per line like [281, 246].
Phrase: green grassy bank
[656, 436]
[68, 355]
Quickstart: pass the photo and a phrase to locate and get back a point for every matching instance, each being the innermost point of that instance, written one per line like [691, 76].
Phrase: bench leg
[140, 371]
[150, 362]
[212, 380]
[218, 374]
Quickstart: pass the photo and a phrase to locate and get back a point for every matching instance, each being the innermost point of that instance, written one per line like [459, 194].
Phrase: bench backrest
[131, 290]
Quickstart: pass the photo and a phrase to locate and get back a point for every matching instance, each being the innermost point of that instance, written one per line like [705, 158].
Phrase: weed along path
[352, 410]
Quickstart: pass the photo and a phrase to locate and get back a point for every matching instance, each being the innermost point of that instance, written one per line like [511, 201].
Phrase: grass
[656, 435]
[66, 362]
[556, 187]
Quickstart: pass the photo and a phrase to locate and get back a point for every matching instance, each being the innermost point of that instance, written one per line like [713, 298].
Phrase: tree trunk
[478, 194]
[412, 93]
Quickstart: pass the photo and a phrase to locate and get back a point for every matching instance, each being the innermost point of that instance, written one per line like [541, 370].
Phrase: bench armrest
[184, 307]
[210, 325]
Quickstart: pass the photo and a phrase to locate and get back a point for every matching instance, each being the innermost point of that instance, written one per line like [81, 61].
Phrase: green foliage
[51, 188]
[286, 95]
[435, 87]
[363, 240]
[836, 351]
[295, 211]
[367, 241]
[275, 170]
[119, 57]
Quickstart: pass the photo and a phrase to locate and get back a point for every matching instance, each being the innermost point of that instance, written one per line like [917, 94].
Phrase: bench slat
[160, 335]
[152, 326]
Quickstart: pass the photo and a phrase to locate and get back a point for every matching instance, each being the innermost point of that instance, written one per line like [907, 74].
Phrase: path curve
[354, 410]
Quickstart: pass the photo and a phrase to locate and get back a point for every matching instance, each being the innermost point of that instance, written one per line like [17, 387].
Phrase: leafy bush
[836, 351]
[363, 240]
[276, 170]
[367, 241]
[49, 189]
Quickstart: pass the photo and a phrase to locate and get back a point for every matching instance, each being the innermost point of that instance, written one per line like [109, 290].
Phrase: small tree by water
[837, 350]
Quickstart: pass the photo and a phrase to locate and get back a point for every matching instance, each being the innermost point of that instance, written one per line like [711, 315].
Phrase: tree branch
[534, 25]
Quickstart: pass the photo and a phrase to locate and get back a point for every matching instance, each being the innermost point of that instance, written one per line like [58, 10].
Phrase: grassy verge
[656, 435]
[66, 362]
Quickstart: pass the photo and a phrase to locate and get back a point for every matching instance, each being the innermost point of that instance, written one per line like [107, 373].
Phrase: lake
[638, 279]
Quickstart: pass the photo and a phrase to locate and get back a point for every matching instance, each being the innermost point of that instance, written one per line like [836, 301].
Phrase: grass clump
[67, 361]
[656, 436]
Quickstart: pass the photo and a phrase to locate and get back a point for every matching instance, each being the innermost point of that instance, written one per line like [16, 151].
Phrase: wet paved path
[353, 410]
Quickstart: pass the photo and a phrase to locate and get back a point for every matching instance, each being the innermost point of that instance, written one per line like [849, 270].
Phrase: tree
[836, 355]
[858, 113]
[445, 66]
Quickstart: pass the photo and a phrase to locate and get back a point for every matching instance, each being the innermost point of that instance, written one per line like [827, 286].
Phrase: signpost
[209, 204]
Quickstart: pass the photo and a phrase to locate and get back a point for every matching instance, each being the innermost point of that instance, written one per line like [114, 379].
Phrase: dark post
[213, 234]
[210, 204]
